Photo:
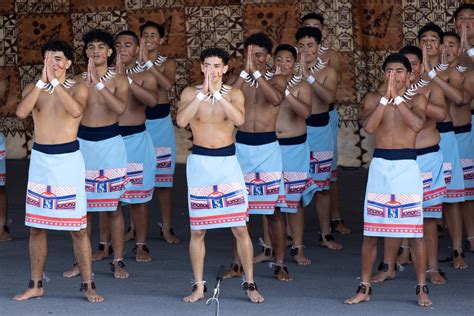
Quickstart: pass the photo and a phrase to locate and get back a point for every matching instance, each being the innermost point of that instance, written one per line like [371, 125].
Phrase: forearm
[146, 96]
[28, 102]
[414, 121]
[70, 104]
[272, 95]
[162, 80]
[326, 95]
[187, 112]
[373, 120]
[452, 93]
[436, 112]
[113, 103]
[235, 115]
[301, 109]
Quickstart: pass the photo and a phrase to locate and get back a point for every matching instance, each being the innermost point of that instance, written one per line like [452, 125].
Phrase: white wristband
[54, 82]
[257, 74]
[130, 81]
[148, 64]
[217, 95]
[41, 84]
[432, 74]
[399, 100]
[244, 74]
[470, 52]
[200, 96]
[310, 79]
[383, 101]
[100, 85]
[287, 92]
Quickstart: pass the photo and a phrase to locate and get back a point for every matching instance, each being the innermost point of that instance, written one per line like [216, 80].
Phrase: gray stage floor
[157, 287]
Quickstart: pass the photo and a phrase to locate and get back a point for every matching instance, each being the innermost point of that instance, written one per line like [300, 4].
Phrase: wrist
[200, 96]
[256, 74]
[287, 92]
[432, 73]
[310, 79]
[398, 100]
[130, 81]
[99, 86]
[217, 95]
[470, 52]
[148, 64]
[41, 84]
[54, 82]
[383, 101]
[244, 74]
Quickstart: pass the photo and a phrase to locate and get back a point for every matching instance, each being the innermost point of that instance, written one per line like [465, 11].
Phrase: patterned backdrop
[364, 32]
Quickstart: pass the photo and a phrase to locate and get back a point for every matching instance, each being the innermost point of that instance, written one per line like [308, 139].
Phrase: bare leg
[336, 218]
[276, 227]
[419, 262]
[197, 251]
[267, 253]
[467, 210]
[369, 255]
[323, 199]
[130, 234]
[235, 269]
[453, 218]
[38, 247]
[75, 271]
[245, 250]
[430, 236]
[164, 197]
[404, 255]
[117, 228]
[141, 215]
[4, 234]
[387, 268]
[296, 222]
[104, 236]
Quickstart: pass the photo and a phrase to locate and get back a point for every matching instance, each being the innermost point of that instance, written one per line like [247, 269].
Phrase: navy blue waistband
[223, 151]
[98, 133]
[255, 139]
[445, 127]
[331, 107]
[427, 150]
[395, 154]
[318, 120]
[158, 111]
[56, 149]
[463, 129]
[293, 140]
[472, 112]
[130, 130]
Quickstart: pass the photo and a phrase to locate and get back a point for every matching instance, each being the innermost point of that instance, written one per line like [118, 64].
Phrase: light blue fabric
[320, 140]
[452, 169]
[434, 185]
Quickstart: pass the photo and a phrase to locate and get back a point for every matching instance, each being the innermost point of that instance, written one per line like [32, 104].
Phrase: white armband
[310, 79]
[432, 74]
[200, 96]
[100, 85]
[287, 92]
[257, 74]
[217, 95]
[41, 84]
[244, 74]
[383, 101]
[399, 100]
[54, 82]
[470, 52]
[130, 81]
[148, 64]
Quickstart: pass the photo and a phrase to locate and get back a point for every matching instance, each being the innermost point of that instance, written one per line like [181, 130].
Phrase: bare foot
[298, 256]
[250, 289]
[282, 274]
[104, 251]
[422, 296]
[235, 271]
[404, 256]
[265, 255]
[73, 272]
[339, 226]
[329, 242]
[5, 234]
[458, 260]
[197, 294]
[142, 253]
[90, 294]
[31, 291]
[130, 234]
[436, 276]
[170, 237]
[117, 267]
[362, 295]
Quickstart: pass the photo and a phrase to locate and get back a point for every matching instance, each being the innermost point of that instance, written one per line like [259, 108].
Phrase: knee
[198, 234]
[370, 241]
[37, 232]
[79, 234]
[240, 232]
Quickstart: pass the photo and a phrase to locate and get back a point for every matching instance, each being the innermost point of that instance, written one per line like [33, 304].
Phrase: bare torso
[429, 135]
[289, 123]
[135, 112]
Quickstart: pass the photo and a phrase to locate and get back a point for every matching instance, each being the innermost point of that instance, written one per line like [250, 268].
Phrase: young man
[159, 123]
[4, 231]
[323, 81]
[56, 197]
[394, 194]
[464, 24]
[219, 199]
[258, 151]
[430, 162]
[449, 80]
[102, 146]
[333, 59]
[138, 143]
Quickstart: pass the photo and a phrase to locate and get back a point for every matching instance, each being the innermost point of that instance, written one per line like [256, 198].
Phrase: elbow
[307, 113]
[121, 111]
[76, 113]
[369, 129]
[20, 114]
[278, 99]
[240, 121]
[417, 127]
[181, 123]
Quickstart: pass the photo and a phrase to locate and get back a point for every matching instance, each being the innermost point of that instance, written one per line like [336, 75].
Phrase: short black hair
[430, 26]
[158, 27]
[313, 16]
[453, 34]
[129, 33]
[58, 45]
[215, 52]
[307, 31]
[259, 39]
[410, 49]
[98, 35]
[396, 58]
[464, 6]
[288, 48]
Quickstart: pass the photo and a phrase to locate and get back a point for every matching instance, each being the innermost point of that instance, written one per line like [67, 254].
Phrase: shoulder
[279, 79]
[80, 77]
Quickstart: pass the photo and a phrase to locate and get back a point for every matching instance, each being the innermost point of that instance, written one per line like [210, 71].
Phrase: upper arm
[305, 93]
[238, 99]
[149, 81]
[121, 91]
[367, 106]
[27, 90]
[170, 70]
[419, 105]
[187, 96]
[81, 94]
[330, 81]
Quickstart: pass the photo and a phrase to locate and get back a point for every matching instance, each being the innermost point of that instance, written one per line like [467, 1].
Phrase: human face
[99, 52]
[260, 56]
[465, 17]
[416, 67]
[152, 38]
[313, 23]
[286, 61]
[60, 63]
[216, 66]
[432, 41]
[452, 45]
[308, 47]
[127, 47]
[401, 74]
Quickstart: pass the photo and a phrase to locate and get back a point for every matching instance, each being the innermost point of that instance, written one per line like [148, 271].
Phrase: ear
[162, 41]
[109, 52]
[224, 70]
[202, 68]
[68, 64]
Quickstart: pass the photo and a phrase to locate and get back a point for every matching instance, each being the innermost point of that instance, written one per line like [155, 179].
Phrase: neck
[312, 63]
[454, 63]
[152, 54]
[101, 69]
[401, 91]
[131, 64]
[433, 61]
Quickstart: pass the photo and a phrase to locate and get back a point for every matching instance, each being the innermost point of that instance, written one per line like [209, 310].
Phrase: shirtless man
[212, 109]
[323, 81]
[56, 196]
[394, 194]
[138, 143]
[449, 80]
[4, 230]
[464, 24]
[258, 151]
[102, 146]
[159, 123]
[430, 162]
[333, 59]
